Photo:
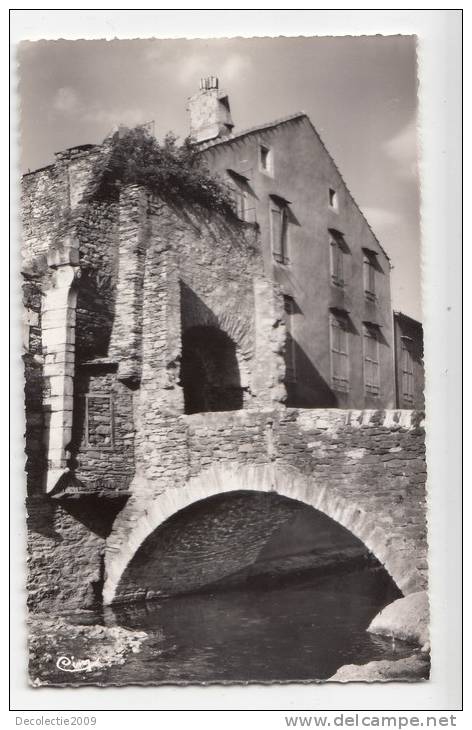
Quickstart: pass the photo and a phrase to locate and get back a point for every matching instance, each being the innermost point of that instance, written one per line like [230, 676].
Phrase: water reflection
[304, 630]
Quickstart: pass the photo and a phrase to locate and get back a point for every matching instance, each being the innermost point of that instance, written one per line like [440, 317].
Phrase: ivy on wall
[135, 157]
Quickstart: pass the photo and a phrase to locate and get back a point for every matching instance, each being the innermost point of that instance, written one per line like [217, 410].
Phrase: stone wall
[138, 273]
[229, 537]
[66, 547]
[144, 273]
[216, 538]
[364, 469]
[34, 384]
[102, 446]
[51, 195]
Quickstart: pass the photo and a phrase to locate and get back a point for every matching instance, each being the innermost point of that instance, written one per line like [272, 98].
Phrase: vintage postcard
[223, 359]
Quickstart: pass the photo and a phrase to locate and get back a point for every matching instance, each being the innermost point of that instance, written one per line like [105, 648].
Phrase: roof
[251, 130]
[203, 146]
[401, 315]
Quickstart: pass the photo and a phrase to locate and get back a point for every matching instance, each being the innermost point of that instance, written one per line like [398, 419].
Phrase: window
[408, 376]
[339, 352]
[279, 231]
[333, 198]
[369, 275]
[244, 205]
[371, 360]
[290, 368]
[242, 195]
[266, 159]
[240, 202]
[337, 260]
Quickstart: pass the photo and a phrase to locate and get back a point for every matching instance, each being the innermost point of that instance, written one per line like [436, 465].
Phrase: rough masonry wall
[214, 539]
[166, 270]
[102, 445]
[199, 270]
[33, 368]
[96, 230]
[217, 261]
[364, 469]
[127, 352]
[66, 546]
[51, 195]
[229, 537]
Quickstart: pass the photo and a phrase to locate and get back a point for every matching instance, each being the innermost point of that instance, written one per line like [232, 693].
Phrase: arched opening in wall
[210, 374]
[266, 587]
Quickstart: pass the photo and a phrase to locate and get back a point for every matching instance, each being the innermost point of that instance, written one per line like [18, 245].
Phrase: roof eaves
[202, 146]
[402, 315]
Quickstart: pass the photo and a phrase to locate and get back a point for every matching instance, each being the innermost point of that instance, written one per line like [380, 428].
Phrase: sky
[359, 92]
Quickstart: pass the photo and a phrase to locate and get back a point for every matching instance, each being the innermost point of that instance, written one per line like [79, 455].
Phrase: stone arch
[142, 516]
[197, 313]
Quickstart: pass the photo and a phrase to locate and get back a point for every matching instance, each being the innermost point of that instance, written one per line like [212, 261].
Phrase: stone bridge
[364, 470]
[161, 454]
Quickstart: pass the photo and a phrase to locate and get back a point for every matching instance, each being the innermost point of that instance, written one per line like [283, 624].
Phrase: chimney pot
[210, 114]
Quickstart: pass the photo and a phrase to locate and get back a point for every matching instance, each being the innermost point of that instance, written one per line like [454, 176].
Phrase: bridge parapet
[364, 469]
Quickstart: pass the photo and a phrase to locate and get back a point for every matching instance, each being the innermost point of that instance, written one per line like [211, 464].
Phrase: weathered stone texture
[215, 539]
[34, 384]
[153, 278]
[363, 469]
[102, 446]
[51, 195]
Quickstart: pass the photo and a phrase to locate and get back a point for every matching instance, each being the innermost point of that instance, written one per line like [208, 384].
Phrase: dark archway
[209, 372]
[239, 537]
[254, 586]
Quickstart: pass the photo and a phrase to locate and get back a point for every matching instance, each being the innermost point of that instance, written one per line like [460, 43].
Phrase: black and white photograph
[223, 361]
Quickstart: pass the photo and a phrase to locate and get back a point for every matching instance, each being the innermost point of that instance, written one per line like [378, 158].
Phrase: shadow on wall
[96, 513]
[95, 315]
[231, 538]
[309, 389]
[209, 371]
[209, 374]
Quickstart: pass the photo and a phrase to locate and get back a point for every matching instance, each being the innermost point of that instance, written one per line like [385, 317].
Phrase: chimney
[210, 115]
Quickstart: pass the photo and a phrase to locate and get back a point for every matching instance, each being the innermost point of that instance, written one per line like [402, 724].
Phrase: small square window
[333, 198]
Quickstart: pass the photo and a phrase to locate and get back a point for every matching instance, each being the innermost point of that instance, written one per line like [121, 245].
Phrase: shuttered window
[371, 361]
[369, 276]
[339, 352]
[337, 262]
[279, 232]
[408, 376]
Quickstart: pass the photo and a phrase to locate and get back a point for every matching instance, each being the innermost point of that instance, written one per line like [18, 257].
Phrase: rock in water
[406, 618]
[410, 669]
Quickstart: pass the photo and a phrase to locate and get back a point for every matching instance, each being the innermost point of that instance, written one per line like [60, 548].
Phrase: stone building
[165, 344]
[409, 367]
[316, 245]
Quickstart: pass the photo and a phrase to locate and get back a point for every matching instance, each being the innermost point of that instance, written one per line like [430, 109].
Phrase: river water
[304, 629]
